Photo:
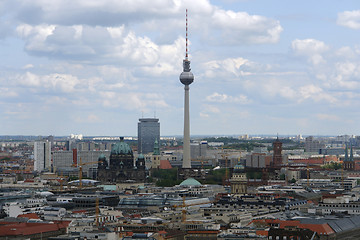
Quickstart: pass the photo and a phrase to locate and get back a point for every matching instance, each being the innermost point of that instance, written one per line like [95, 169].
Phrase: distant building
[349, 163]
[312, 145]
[238, 181]
[258, 160]
[277, 156]
[148, 132]
[155, 158]
[198, 149]
[42, 156]
[67, 159]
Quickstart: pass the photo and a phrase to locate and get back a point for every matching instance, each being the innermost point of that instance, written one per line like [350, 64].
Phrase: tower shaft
[186, 140]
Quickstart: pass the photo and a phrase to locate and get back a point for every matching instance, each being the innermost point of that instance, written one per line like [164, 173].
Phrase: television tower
[186, 78]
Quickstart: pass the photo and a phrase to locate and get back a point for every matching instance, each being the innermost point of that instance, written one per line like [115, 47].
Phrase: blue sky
[260, 66]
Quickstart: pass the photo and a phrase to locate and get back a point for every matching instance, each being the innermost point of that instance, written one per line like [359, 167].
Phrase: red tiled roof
[25, 229]
[29, 216]
[165, 164]
[79, 211]
[319, 228]
[262, 233]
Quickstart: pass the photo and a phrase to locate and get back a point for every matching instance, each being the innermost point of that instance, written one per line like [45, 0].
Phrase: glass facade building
[148, 131]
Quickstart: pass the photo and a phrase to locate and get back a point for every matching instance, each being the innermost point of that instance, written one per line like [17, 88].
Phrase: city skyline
[262, 67]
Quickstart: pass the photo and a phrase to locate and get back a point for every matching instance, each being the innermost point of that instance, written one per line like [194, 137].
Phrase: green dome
[121, 148]
[141, 156]
[239, 168]
[102, 157]
[190, 182]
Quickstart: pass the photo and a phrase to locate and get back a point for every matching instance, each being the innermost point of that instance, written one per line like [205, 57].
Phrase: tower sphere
[186, 78]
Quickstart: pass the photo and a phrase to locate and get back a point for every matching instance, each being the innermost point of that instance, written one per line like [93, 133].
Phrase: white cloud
[315, 93]
[79, 30]
[224, 98]
[90, 118]
[28, 66]
[207, 110]
[310, 48]
[241, 27]
[7, 92]
[350, 19]
[62, 82]
[324, 116]
[133, 101]
[226, 66]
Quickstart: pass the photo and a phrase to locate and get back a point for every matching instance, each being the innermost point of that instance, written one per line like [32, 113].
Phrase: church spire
[156, 148]
[346, 153]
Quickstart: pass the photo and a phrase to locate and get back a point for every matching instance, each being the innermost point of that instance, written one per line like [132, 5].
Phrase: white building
[42, 156]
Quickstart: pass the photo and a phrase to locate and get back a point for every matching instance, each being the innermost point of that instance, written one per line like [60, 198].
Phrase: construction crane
[225, 156]
[183, 212]
[184, 205]
[79, 165]
[97, 211]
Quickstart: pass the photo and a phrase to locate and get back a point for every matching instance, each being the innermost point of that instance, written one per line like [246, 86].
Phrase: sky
[261, 66]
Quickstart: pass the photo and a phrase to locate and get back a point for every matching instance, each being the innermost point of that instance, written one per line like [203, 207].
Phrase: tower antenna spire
[186, 53]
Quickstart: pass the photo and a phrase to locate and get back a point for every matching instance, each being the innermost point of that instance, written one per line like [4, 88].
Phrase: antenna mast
[186, 54]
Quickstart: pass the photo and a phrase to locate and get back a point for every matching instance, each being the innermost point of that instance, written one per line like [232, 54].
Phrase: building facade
[42, 156]
[277, 155]
[121, 167]
[148, 132]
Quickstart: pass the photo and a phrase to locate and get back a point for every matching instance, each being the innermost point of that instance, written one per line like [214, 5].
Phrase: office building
[42, 156]
[312, 145]
[148, 132]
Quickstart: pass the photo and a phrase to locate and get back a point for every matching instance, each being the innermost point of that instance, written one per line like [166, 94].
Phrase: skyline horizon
[180, 136]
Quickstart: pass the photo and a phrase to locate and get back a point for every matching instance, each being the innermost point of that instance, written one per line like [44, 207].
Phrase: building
[238, 181]
[42, 156]
[63, 160]
[277, 156]
[198, 149]
[258, 160]
[148, 132]
[121, 167]
[155, 158]
[312, 145]
[348, 163]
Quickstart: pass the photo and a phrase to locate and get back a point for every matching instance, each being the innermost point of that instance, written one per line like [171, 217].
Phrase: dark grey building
[148, 131]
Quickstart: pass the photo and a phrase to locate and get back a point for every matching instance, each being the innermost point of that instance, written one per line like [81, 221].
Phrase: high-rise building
[186, 78]
[312, 145]
[42, 156]
[148, 132]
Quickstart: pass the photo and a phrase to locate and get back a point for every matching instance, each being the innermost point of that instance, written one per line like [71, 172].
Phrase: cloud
[315, 93]
[79, 30]
[224, 98]
[322, 116]
[7, 92]
[349, 19]
[134, 101]
[208, 109]
[241, 27]
[62, 82]
[310, 48]
[227, 67]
